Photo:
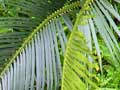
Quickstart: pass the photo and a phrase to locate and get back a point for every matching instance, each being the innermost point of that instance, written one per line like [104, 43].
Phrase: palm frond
[104, 28]
[33, 8]
[104, 25]
[22, 26]
[18, 23]
[9, 43]
[76, 74]
[117, 1]
[19, 14]
[103, 12]
[28, 12]
[36, 64]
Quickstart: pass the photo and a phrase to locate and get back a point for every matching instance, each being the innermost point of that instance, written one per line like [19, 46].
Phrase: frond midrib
[57, 13]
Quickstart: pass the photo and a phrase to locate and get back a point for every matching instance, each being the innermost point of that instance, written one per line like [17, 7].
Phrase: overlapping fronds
[103, 25]
[33, 8]
[9, 43]
[20, 17]
[18, 28]
[76, 75]
[36, 65]
[78, 71]
[18, 23]
[27, 12]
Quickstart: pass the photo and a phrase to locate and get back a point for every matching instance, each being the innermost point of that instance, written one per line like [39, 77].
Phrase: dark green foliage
[18, 19]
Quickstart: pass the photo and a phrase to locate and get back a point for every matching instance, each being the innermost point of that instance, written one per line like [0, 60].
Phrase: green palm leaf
[76, 74]
[31, 59]
[104, 25]
[36, 64]
[20, 25]
[103, 28]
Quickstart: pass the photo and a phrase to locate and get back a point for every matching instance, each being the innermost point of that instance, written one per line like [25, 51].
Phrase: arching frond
[19, 18]
[76, 75]
[20, 27]
[36, 65]
[77, 67]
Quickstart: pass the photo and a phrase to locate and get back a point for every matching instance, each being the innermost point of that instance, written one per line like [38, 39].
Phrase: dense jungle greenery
[59, 45]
